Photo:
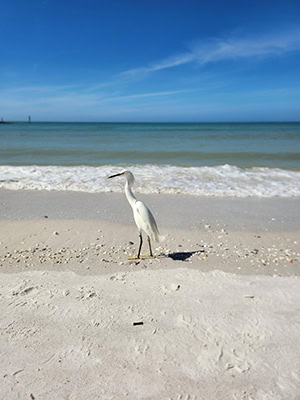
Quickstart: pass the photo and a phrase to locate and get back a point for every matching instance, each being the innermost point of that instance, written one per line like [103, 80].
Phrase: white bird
[141, 213]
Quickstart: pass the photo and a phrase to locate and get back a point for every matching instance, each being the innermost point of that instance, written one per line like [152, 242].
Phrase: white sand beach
[214, 315]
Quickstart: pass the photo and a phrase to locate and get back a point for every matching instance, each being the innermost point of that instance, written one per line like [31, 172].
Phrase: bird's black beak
[113, 176]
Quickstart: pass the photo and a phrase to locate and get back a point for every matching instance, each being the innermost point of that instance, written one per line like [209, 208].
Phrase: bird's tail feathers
[161, 238]
[155, 235]
[158, 237]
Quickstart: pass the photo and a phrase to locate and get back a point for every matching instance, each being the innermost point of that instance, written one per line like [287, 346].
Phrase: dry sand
[215, 315]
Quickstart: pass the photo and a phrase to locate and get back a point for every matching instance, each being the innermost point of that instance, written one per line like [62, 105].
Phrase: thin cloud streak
[168, 63]
[39, 89]
[233, 48]
[30, 98]
[155, 94]
[226, 49]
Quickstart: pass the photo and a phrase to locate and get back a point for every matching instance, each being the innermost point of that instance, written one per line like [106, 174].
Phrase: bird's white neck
[130, 196]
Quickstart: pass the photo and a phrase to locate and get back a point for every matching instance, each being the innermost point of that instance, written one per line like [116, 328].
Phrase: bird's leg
[150, 248]
[140, 248]
[139, 252]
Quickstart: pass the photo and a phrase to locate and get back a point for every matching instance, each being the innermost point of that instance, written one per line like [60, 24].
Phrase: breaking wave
[222, 181]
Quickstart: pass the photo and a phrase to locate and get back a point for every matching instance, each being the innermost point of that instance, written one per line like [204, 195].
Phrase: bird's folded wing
[145, 220]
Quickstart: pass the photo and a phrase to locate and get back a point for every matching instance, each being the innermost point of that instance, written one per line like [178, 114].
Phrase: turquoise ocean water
[219, 159]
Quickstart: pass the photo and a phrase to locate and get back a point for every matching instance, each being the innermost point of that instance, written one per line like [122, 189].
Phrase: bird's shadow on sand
[183, 255]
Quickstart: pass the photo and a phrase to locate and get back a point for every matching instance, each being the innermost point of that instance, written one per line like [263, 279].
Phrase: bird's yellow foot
[147, 256]
[140, 257]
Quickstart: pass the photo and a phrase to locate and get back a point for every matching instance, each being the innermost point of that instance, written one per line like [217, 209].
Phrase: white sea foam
[219, 181]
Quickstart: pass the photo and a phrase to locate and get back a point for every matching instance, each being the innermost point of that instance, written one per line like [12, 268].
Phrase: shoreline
[170, 210]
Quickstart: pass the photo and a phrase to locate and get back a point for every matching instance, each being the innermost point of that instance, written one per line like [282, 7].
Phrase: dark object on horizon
[4, 122]
[29, 119]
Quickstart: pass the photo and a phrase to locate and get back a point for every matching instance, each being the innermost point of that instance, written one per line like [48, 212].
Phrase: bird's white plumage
[142, 215]
[145, 220]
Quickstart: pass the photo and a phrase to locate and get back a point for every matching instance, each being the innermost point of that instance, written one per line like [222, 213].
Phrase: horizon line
[148, 122]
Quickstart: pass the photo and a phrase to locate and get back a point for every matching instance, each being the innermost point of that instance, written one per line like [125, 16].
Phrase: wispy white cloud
[168, 63]
[39, 89]
[238, 48]
[154, 94]
[222, 49]
[44, 100]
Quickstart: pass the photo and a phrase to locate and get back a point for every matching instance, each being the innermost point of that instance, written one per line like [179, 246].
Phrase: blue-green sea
[219, 159]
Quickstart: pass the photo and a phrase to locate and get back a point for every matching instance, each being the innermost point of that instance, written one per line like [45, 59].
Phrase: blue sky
[94, 60]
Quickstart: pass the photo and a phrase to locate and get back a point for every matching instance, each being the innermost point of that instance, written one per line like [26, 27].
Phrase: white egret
[141, 213]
